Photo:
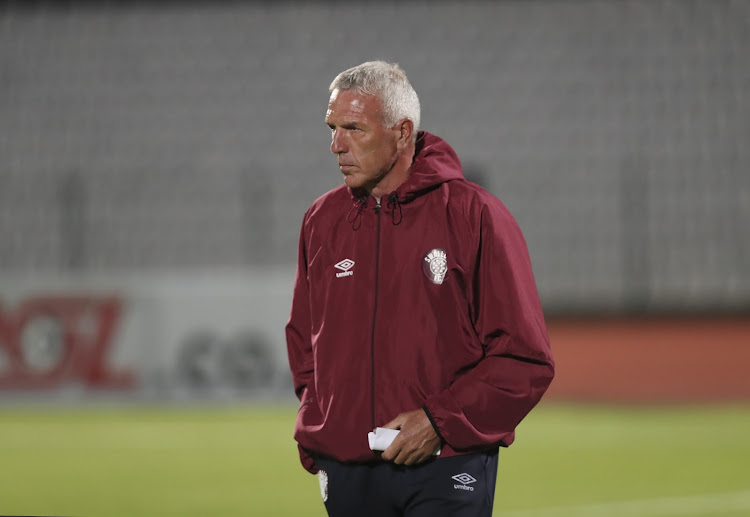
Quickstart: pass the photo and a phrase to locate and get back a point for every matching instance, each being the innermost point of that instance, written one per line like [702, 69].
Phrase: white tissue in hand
[381, 438]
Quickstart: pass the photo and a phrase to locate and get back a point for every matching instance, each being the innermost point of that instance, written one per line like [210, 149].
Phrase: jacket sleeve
[299, 342]
[298, 328]
[483, 406]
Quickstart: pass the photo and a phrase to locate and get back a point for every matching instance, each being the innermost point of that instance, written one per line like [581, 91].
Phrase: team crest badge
[323, 480]
[435, 265]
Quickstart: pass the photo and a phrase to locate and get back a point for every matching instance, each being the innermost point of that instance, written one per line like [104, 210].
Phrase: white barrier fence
[177, 335]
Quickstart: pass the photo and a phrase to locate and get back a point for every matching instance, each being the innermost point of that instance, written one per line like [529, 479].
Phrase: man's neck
[397, 175]
[392, 183]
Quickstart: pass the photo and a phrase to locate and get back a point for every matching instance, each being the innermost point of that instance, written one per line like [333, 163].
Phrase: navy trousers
[459, 486]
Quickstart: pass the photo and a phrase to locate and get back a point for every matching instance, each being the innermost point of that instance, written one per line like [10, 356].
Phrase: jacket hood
[435, 162]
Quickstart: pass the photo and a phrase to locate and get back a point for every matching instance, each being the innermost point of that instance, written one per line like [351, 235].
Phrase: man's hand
[416, 442]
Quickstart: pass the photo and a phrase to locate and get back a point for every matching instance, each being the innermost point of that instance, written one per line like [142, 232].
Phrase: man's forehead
[350, 102]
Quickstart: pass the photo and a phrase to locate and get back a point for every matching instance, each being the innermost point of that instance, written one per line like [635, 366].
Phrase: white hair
[389, 83]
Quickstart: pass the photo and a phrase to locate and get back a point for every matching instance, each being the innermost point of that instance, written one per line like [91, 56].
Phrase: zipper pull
[377, 206]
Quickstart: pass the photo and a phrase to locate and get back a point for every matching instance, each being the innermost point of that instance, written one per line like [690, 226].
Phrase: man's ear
[406, 132]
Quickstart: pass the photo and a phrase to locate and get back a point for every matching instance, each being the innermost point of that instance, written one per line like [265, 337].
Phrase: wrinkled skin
[370, 155]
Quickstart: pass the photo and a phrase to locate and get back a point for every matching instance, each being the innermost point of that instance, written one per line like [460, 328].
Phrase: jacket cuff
[432, 421]
[446, 415]
[307, 460]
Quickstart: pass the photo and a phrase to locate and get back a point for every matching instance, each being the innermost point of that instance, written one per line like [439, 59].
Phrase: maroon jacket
[427, 301]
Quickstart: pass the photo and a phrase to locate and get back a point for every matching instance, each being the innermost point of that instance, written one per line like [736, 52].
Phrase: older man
[415, 309]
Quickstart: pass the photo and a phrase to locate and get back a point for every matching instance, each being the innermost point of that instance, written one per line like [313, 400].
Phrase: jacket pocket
[308, 412]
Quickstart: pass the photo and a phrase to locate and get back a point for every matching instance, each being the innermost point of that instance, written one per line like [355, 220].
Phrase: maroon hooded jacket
[427, 301]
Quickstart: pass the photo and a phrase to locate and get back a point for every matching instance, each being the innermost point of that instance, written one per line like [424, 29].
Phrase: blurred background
[156, 159]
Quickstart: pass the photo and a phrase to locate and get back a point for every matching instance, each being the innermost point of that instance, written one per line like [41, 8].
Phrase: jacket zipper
[374, 316]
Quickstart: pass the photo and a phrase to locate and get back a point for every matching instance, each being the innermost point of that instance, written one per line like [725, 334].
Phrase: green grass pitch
[568, 460]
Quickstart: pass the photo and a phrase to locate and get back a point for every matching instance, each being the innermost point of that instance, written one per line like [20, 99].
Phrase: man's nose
[338, 144]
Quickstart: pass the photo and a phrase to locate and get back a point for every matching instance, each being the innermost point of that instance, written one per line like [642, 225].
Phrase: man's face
[366, 150]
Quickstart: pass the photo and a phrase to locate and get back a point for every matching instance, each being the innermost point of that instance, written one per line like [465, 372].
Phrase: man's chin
[351, 182]
[356, 181]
